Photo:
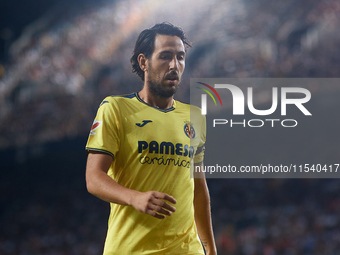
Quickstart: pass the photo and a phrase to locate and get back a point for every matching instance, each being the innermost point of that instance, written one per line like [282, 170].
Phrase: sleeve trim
[99, 150]
[198, 163]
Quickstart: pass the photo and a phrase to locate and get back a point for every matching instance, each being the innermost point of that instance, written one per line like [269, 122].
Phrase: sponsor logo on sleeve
[96, 124]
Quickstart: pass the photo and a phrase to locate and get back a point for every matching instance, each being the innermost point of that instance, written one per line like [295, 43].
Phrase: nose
[174, 64]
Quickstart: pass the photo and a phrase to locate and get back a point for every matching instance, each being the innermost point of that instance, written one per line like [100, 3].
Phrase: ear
[142, 61]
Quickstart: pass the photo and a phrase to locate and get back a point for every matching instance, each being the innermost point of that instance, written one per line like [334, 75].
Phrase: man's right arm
[101, 185]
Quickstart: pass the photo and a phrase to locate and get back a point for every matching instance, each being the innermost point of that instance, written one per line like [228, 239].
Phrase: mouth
[172, 82]
[172, 78]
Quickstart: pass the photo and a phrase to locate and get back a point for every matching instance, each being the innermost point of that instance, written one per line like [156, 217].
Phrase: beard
[157, 88]
[160, 90]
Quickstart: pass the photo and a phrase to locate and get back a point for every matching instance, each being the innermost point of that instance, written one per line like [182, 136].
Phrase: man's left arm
[203, 214]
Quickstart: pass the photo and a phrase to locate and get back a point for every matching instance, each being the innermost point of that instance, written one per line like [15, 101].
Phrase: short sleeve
[105, 131]
[199, 154]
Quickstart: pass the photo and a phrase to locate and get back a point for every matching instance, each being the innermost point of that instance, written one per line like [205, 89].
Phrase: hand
[152, 202]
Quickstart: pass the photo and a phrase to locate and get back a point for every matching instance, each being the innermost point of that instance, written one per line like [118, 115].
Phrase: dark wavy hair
[145, 43]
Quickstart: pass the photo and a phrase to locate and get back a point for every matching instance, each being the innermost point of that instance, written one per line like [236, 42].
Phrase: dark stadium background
[58, 59]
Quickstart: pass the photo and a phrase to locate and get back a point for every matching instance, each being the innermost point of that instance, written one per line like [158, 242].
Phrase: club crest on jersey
[95, 125]
[189, 130]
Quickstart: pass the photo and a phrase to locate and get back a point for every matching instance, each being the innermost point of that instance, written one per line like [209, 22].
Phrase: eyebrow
[170, 52]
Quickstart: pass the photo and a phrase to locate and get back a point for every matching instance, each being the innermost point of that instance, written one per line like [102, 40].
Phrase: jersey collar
[159, 109]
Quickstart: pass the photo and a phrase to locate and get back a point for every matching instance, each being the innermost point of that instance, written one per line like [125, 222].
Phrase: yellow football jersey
[152, 149]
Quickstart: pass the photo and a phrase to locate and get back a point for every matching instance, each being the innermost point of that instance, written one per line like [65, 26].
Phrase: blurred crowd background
[56, 69]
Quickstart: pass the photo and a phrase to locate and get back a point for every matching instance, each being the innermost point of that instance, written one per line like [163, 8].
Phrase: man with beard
[141, 149]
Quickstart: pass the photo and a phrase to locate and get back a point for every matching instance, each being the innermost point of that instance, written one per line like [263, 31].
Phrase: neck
[155, 101]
